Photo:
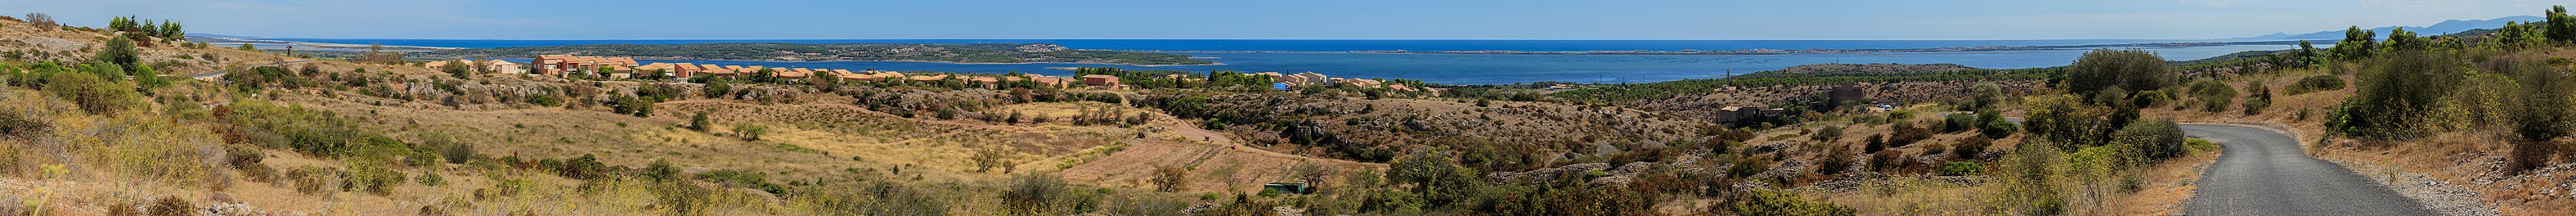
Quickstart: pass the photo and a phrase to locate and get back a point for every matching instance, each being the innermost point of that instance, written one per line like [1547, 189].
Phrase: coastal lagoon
[1343, 58]
[1519, 68]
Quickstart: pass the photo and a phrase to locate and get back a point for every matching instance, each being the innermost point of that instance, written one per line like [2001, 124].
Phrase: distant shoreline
[941, 62]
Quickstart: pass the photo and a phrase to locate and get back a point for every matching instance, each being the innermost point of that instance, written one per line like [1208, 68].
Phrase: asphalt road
[2265, 173]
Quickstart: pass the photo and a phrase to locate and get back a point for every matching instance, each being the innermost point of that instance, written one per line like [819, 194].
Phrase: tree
[376, 54]
[120, 51]
[2402, 40]
[1984, 97]
[2103, 69]
[42, 21]
[2356, 44]
[2561, 27]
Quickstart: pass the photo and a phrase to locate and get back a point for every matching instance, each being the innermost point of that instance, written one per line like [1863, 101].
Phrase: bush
[1764, 202]
[1829, 133]
[1969, 148]
[2397, 96]
[17, 125]
[1746, 168]
[1886, 161]
[1994, 126]
[1956, 122]
[1908, 134]
[2103, 69]
[2153, 140]
[374, 179]
[2259, 97]
[93, 93]
[2316, 83]
[661, 171]
[1875, 143]
[586, 167]
[1961, 168]
[1035, 194]
[749, 131]
[1169, 178]
[699, 122]
[2213, 96]
[1837, 161]
[172, 206]
[458, 153]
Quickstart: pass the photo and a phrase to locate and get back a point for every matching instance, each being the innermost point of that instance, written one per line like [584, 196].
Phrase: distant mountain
[2446, 27]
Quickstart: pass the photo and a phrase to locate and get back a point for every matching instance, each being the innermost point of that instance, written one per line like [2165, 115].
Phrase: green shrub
[2153, 140]
[2103, 69]
[372, 178]
[661, 170]
[586, 167]
[17, 125]
[699, 122]
[1837, 161]
[1961, 168]
[749, 131]
[2213, 96]
[2259, 97]
[431, 179]
[1035, 194]
[2396, 97]
[1993, 125]
[2316, 83]
[1764, 202]
[1828, 133]
[93, 93]
[1747, 167]
[1958, 122]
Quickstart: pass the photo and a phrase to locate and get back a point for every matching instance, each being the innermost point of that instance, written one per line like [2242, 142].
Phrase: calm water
[1330, 57]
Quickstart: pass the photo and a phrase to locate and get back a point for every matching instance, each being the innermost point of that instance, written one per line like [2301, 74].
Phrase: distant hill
[2445, 27]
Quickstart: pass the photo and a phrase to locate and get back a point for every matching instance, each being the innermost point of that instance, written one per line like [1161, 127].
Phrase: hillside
[955, 53]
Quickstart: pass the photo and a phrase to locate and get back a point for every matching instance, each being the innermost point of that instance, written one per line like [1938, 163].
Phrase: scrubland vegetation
[101, 130]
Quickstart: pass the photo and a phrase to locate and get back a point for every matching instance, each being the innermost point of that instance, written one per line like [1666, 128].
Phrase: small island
[990, 53]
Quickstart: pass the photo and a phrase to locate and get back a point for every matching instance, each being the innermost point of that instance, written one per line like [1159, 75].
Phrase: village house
[560, 65]
[504, 67]
[713, 71]
[1101, 81]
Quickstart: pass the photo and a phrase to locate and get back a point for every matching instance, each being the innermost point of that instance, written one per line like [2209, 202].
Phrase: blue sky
[1277, 19]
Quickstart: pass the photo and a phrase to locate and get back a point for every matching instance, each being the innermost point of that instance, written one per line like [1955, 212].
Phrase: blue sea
[1339, 59]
